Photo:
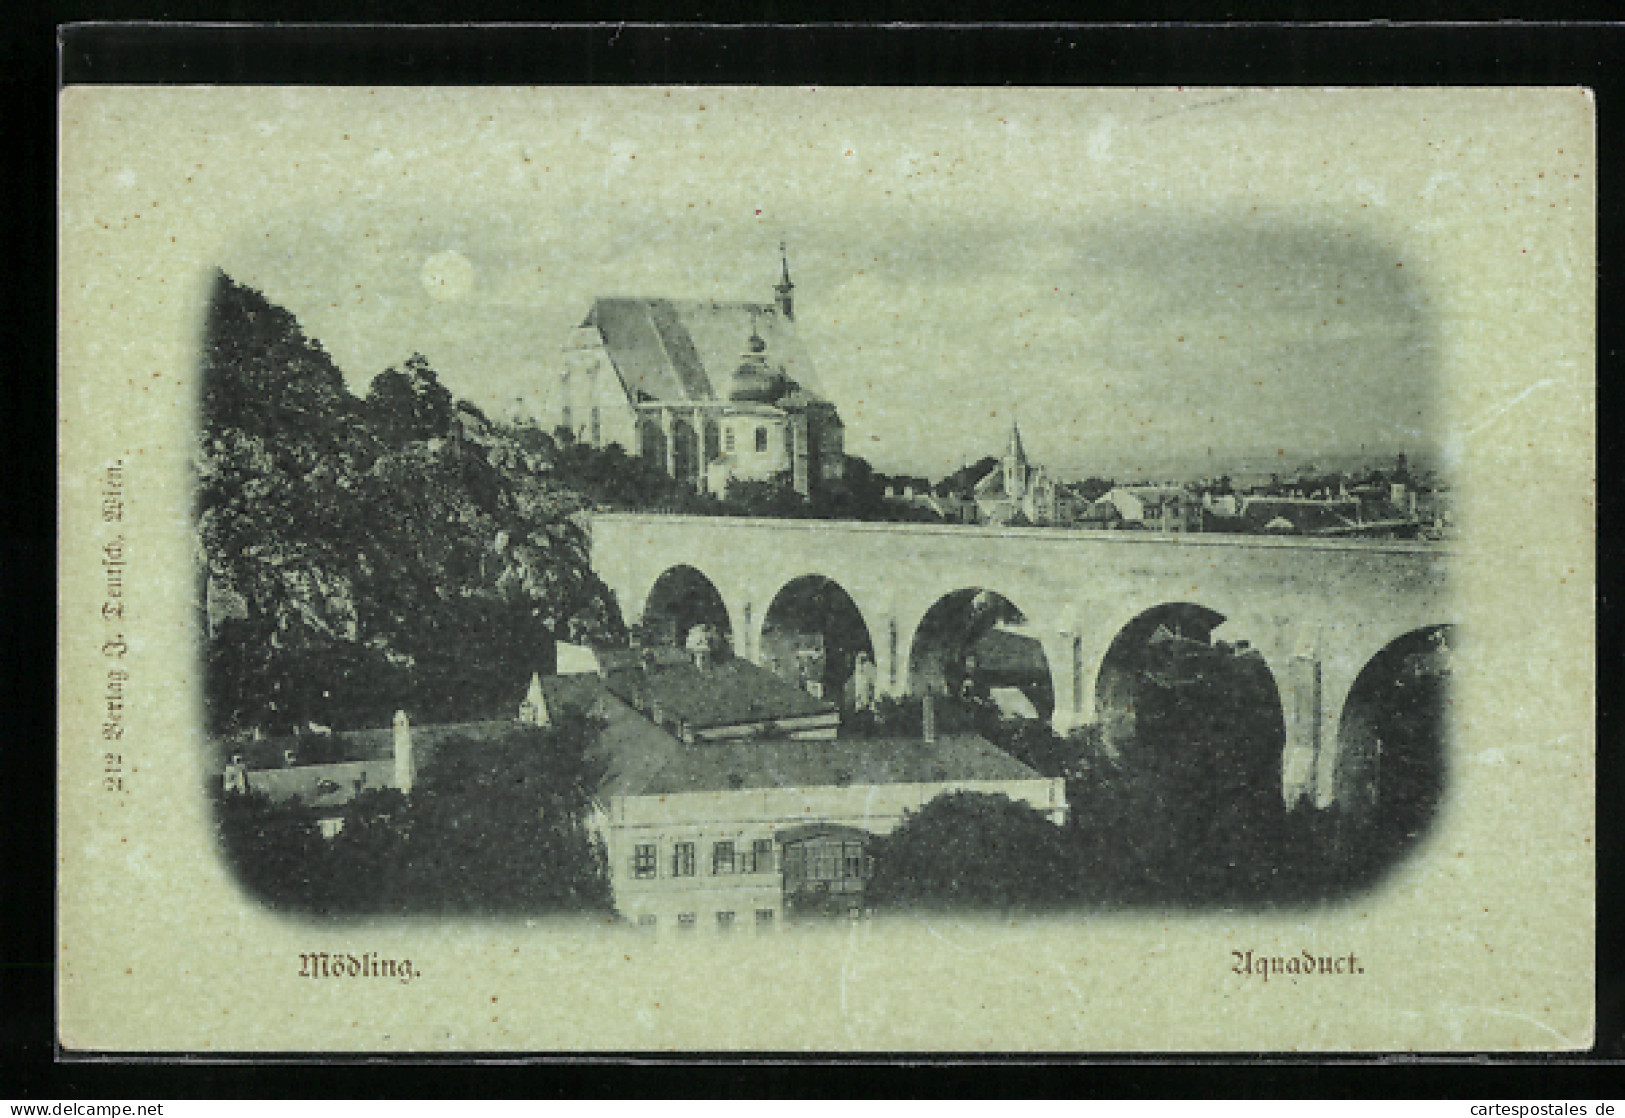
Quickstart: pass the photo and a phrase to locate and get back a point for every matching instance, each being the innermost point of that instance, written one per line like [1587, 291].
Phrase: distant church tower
[786, 308]
[1015, 466]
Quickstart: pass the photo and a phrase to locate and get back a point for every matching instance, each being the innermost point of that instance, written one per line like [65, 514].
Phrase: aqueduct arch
[1118, 678]
[982, 633]
[815, 604]
[1388, 760]
[681, 598]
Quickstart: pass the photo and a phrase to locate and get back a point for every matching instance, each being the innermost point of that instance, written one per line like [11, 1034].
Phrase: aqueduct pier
[1319, 612]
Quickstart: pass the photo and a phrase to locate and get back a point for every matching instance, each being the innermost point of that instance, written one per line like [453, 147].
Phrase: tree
[499, 824]
[275, 849]
[774, 497]
[410, 404]
[495, 825]
[1092, 489]
[962, 482]
[974, 850]
[398, 552]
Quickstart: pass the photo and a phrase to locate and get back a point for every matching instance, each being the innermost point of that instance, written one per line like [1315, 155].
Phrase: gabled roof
[991, 486]
[728, 693]
[582, 692]
[676, 350]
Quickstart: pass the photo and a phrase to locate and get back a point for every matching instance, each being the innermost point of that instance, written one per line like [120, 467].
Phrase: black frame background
[37, 53]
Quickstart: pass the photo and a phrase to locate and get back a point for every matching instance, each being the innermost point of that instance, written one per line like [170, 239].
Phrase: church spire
[1016, 452]
[784, 287]
[1015, 465]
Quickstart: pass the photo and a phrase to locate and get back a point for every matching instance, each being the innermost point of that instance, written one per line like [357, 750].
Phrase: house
[326, 772]
[1301, 515]
[1015, 490]
[1158, 507]
[716, 392]
[949, 509]
[741, 811]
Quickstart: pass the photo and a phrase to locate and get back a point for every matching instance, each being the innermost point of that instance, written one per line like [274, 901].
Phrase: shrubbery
[492, 827]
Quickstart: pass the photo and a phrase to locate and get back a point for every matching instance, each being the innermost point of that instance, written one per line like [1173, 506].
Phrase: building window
[728, 440]
[685, 921]
[568, 423]
[722, 858]
[761, 440]
[597, 428]
[761, 856]
[852, 863]
[764, 918]
[725, 921]
[682, 862]
[647, 920]
[643, 860]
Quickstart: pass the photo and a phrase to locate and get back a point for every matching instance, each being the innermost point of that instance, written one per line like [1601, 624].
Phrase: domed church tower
[754, 382]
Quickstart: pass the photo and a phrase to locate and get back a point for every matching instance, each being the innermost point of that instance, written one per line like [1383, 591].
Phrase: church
[716, 392]
[1015, 491]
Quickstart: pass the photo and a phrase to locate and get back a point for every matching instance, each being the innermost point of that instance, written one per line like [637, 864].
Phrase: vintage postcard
[732, 569]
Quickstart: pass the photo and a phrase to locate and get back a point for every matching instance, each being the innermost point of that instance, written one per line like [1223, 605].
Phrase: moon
[447, 276]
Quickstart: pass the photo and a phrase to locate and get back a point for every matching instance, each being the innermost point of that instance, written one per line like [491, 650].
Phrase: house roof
[743, 764]
[323, 786]
[350, 747]
[728, 693]
[643, 759]
[1001, 650]
[583, 692]
[675, 350]
[991, 486]
[1300, 515]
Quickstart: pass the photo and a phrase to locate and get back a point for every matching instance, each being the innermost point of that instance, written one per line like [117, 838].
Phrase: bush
[973, 850]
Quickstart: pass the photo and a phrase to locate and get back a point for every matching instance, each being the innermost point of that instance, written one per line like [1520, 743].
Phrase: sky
[1149, 282]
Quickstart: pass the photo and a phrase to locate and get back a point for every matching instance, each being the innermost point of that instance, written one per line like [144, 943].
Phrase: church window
[728, 440]
[722, 858]
[643, 860]
[761, 440]
[597, 428]
[682, 861]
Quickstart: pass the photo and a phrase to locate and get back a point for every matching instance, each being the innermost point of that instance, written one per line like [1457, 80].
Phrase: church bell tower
[785, 287]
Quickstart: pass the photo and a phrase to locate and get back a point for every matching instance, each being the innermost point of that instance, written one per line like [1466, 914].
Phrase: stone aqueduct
[1318, 611]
